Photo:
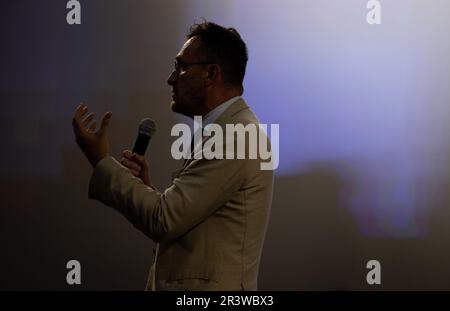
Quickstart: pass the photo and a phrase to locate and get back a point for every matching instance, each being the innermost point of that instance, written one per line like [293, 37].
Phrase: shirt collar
[214, 114]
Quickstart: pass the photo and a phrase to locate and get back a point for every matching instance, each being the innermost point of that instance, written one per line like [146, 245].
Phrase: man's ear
[213, 74]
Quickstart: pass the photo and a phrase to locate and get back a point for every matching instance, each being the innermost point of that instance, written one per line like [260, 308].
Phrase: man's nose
[172, 78]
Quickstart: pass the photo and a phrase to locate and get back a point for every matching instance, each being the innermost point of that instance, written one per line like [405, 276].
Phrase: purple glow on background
[372, 102]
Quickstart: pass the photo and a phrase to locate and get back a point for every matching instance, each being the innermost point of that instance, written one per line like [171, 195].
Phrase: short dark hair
[225, 47]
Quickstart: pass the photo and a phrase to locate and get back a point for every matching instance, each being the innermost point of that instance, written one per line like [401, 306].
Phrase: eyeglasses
[178, 66]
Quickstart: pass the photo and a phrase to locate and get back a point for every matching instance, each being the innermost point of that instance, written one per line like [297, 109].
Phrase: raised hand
[92, 141]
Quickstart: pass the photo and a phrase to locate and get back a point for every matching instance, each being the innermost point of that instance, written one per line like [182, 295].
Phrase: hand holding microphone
[135, 160]
[137, 165]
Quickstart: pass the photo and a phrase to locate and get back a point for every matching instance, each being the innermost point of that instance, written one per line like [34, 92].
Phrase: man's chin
[176, 108]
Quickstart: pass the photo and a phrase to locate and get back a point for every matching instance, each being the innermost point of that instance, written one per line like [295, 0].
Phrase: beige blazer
[209, 225]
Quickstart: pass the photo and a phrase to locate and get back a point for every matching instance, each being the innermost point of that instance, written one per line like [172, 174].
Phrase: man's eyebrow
[178, 58]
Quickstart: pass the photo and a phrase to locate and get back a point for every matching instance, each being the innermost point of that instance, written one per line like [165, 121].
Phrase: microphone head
[147, 127]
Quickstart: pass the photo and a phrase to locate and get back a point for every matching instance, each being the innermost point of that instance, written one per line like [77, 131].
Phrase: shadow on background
[311, 238]
[313, 242]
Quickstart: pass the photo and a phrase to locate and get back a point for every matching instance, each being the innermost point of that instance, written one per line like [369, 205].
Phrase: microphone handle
[140, 146]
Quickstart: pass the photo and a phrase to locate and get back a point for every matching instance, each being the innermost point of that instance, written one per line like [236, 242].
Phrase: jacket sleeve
[200, 189]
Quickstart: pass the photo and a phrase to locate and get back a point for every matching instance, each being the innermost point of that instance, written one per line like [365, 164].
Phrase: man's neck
[219, 99]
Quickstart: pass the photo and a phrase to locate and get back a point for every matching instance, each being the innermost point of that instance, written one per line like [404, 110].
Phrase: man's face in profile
[188, 92]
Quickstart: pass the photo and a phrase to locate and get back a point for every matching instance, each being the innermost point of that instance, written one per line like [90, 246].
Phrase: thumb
[105, 122]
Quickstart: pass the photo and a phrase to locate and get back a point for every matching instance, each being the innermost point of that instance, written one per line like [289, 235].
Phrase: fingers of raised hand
[79, 121]
[87, 120]
[80, 111]
[105, 122]
[93, 126]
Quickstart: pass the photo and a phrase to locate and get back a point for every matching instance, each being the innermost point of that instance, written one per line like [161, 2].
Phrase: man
[209, 225]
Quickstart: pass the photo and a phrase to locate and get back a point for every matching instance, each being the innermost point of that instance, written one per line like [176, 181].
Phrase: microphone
[147, 128]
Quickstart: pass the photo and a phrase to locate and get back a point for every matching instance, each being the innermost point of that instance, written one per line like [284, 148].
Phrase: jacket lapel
[228, 114]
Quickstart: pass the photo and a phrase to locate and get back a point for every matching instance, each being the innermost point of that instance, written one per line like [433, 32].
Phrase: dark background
[118, 59]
